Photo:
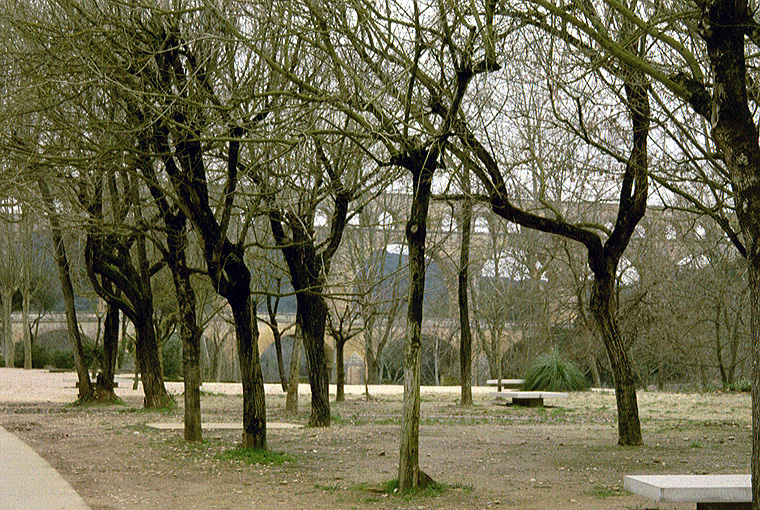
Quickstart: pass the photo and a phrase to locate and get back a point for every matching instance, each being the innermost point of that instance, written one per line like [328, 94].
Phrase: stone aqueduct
[492, 238]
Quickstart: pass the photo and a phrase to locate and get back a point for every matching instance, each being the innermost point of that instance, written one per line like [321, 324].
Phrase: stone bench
[531, 398]
[709, 492]
[511, 384]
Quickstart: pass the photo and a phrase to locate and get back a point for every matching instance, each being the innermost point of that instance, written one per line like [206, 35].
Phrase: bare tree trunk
[724, 27]
[340, 372]
[422, 165]
[629, 427]
[175, 222]
[146, 349]
[272, 310]
[25, 292]
[219, 358]
[189, 331]
[6, 295]
[64, 275]
[373, 364]
[254, 408]
[104, 382]
[465, 334]
[496, 351]
[594, 371]
[734, 346]
[123, 339]
[719, 347]
[280, 361]
[312, 316]
[136, 379]
[754, 297]
[291, 401]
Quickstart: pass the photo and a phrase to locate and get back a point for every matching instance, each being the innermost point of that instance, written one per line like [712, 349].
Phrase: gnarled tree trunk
[254, 407]
[311, 316]
[629, 427]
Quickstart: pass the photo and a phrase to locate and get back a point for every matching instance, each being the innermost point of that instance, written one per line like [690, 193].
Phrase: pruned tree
[309, 261]
[410, 138]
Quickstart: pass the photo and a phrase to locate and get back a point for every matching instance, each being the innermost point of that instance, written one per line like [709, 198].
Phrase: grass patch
[390, 488]
[388, 421]
[327, 488]
[256, 456]
[338, 419]
[604, 492]
[92, 401]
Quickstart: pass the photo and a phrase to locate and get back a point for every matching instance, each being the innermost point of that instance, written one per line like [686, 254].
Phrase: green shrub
[552, 372]
[742, 384]
[171, 355]
[61, 359]
[39, 356]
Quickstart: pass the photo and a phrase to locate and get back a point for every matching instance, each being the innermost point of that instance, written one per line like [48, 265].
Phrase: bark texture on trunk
[754, 283]
[340, 371]
[465, 333]
[64, 276]
[273, 305]
[104, 383]
[312, 316]
[6, 295]
[629, 426]
[25, 293]
[723, 28]
[254, 404]
[373, 366]
[75, 339]
[189, 331]
[291, 400]
[146, 352]
[176, 137]
[422, 164]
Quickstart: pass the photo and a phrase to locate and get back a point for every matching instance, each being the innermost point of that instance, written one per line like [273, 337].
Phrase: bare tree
[309, 264]
[342, 322]
[64, 274]
[10, 269]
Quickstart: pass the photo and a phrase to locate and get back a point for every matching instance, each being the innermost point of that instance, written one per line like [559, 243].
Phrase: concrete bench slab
[709, 492]
[512, 384]
[531, 398]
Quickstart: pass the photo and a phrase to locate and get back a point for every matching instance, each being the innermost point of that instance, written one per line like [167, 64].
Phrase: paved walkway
[28, 482]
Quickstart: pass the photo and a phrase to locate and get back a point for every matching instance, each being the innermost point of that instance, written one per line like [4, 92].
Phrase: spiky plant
[552, 372]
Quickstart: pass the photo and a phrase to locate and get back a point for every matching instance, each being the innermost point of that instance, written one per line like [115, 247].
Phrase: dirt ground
[489, 456]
